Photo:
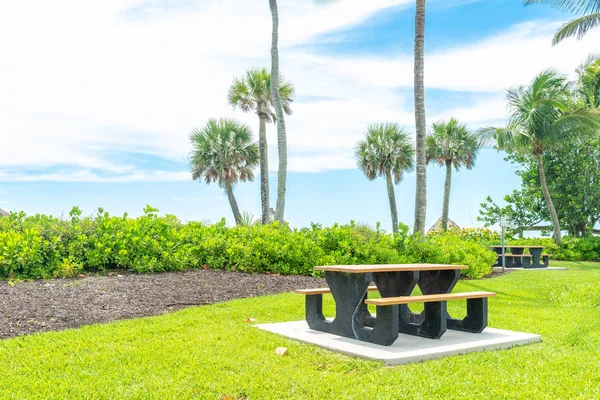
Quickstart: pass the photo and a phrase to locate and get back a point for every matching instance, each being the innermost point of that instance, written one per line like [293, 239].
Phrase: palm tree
[588, 83]
[281, 133]
[386, 150]
[253, 93]
[223, 152]
[420, 121]
[542, 116]
[590, 10]
[451, 144]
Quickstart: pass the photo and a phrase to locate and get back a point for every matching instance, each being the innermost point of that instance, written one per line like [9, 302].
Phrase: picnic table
[517, 258]
[349, 285]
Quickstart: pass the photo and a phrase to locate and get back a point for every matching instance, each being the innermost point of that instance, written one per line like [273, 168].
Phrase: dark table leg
[349, 292]
[517, 252]
[436, 282]
[431, 323]
[444, 282]
[499, 259]
[536, 254]
[476, 319]
[396, 284]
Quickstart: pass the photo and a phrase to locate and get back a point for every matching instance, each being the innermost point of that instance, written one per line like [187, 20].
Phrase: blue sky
[99, 98]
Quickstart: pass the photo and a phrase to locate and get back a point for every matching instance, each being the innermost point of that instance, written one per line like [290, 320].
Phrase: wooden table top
[361, 269]
[518, 247]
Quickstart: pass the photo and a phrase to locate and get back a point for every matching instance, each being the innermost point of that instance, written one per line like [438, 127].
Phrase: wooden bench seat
[435, 320]
[310, 292]
[386, 301]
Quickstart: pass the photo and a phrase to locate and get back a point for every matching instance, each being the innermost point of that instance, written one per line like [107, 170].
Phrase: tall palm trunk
[421, 124]
[392, 199]
[551, 209]
[264, 170]
[281, 134]
[233, 203]
[447, 185]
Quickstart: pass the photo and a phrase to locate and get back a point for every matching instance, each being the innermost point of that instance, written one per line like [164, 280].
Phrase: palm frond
[577, 27]
[572, 6]
[573, 124]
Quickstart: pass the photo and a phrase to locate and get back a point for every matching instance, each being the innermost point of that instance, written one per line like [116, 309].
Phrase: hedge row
[45, 247]
[571, 248]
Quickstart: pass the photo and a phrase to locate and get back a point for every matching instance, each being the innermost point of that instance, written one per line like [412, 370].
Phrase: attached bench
[311, 292]
[436, 318]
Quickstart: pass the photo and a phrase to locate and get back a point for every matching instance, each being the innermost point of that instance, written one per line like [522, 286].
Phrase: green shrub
[571, 248]
[44, 247]
[481, 235]
[450, 247]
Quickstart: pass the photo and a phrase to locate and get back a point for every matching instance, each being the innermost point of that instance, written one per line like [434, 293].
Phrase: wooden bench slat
[387, 301]
[323, 290]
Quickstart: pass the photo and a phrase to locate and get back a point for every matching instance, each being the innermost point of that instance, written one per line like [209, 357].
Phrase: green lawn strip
[210, 351]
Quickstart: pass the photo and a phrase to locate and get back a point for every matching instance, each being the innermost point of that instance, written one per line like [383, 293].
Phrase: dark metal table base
[353, 319]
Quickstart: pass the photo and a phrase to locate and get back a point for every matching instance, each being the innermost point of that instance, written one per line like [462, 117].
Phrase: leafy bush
[482, 235]
[44, 247]
[571, 248]
[449, 248]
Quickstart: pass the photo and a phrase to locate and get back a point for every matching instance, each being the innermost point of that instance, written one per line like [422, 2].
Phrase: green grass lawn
[211, 352]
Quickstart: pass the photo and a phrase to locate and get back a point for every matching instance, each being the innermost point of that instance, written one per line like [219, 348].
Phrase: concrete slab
[533, 269]
[407, 348]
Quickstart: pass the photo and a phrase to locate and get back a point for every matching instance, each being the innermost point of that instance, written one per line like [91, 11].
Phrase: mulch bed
[50, 305]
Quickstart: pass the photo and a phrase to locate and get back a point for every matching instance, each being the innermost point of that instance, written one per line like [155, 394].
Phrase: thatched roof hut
[438, 225]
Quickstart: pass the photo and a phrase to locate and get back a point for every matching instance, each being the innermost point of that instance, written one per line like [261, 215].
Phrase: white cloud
[82, 79]
[487, 65]
[90, 176]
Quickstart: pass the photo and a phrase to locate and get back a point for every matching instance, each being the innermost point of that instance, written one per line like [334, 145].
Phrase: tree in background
[450, 144]
[524, 208]
[573, 176]
[420, 121]
[223, 152]
[281, 132]
[590, 10]
[386, 151]
[542, 117]
[253, 93]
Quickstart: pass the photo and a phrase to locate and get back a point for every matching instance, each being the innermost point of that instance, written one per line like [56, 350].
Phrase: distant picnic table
[349, 285]
[518, 259]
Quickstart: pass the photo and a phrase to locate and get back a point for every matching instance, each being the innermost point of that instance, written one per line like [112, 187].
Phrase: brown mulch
[49, 305]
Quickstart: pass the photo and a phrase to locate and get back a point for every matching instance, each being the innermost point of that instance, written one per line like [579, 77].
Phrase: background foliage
[573, 175]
